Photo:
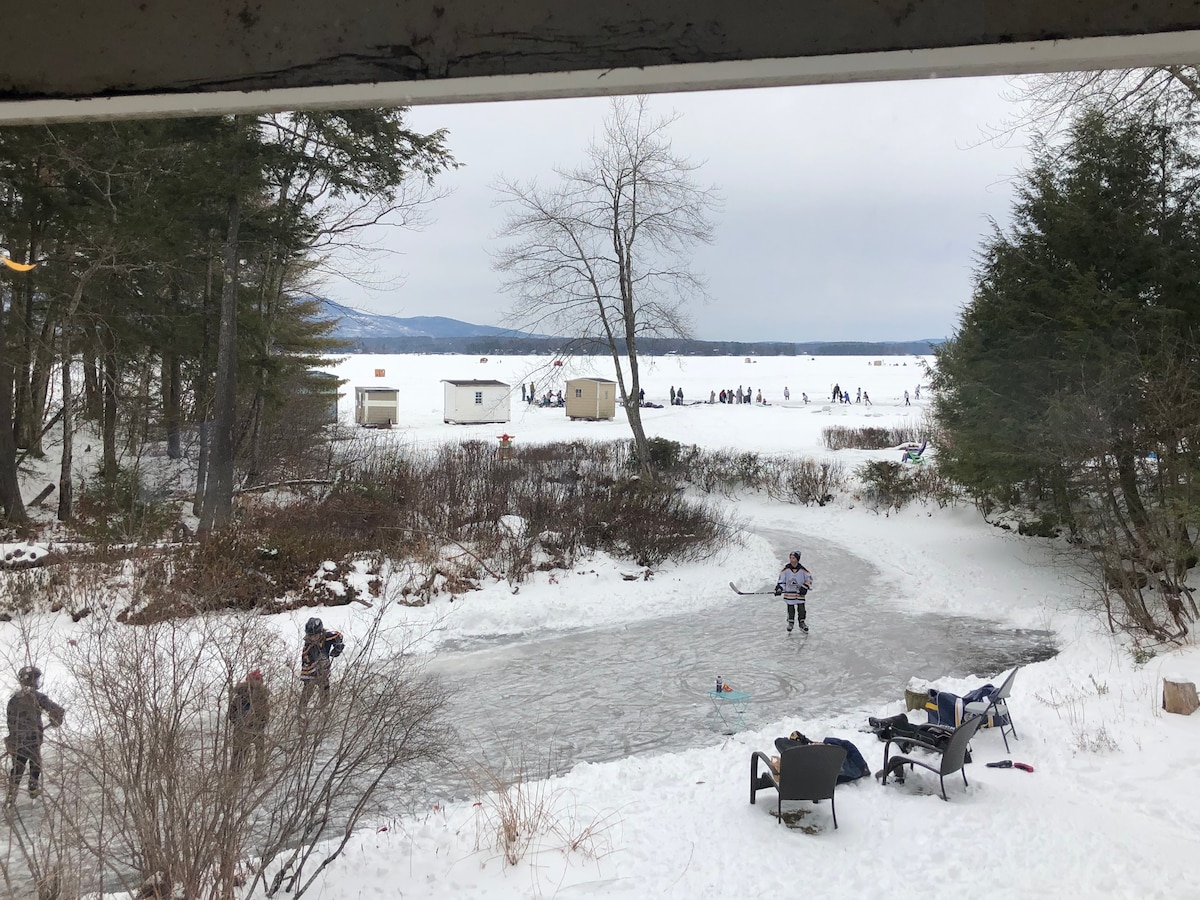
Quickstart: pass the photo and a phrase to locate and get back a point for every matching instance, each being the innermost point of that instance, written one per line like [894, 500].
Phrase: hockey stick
[738, 590]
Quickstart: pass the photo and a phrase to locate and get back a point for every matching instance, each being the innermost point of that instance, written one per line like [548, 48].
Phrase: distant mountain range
[363, 332]
[354, 324]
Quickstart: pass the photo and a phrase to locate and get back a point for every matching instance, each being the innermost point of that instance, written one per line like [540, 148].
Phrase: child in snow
[793, 584]
[320, 646]
[25, 730]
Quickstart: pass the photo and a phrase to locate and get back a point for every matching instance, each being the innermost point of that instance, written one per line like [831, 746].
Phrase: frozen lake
[781, 426]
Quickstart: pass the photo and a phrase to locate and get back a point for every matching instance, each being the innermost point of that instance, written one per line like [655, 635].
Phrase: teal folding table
[731, 708]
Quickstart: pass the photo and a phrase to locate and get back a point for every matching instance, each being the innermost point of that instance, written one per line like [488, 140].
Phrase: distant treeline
[524, 346]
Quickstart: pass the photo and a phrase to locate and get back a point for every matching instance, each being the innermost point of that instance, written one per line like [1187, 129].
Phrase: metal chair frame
[952, 760]
[998, 705]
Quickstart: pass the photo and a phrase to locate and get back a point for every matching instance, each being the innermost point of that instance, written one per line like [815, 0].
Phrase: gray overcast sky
[852, 212]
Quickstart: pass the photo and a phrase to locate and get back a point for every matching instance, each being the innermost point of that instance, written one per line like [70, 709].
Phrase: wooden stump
[45, 492]
[1180, 697]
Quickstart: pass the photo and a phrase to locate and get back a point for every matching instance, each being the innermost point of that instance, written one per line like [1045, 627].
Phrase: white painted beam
[986, 59]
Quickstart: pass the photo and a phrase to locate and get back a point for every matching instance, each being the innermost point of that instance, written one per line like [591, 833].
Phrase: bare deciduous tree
[1049, 102]
[144, 794]
[604, 256]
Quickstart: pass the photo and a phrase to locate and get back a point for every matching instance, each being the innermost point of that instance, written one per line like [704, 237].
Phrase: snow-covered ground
[1109, 811]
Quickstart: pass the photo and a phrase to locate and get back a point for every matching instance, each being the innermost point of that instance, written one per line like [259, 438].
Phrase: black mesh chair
[952, 759]
[808, 772]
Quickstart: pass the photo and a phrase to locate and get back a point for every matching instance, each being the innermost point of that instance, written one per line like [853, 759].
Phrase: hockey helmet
[314, 626]
[29, 676]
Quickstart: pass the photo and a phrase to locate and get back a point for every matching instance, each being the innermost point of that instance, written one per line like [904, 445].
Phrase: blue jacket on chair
[854, 767]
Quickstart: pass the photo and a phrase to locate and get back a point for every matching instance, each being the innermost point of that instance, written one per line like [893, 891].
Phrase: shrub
[580, 492]
[148, 794]
[808, 481]
[839, 437]
[271, 552]
[1141, 653]
[519, 810]
[664, 454]
[453, 512]
[886, 484]
[1046, 526]
[123, 511]
[725, 471]
[892, 485]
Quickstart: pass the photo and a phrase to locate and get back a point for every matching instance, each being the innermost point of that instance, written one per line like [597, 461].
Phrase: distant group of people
[249, 709]
[529, 395]
[30, 711]
[840, 396]
[742, 396]
[739, 396]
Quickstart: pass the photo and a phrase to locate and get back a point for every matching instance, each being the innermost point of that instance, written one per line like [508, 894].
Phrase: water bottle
[720, 684]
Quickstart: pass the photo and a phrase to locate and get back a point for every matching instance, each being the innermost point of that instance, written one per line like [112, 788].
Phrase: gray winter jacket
[25, 709]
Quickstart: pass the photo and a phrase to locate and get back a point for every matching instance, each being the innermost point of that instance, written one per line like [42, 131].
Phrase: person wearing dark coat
[25, 730]
[320, 646]
[249, 712]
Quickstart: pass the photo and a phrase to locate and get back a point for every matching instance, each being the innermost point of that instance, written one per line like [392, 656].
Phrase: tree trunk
[203, 411]
[109, 414]
[201, 470]
[253, 472]
[65, 491]
[10, 485]
[21, 347]
[172, 415]
[91, 381]
[629, 318]
[218, 490]
[170, 378]
[138, 412]
[36, 358]
[39, 387]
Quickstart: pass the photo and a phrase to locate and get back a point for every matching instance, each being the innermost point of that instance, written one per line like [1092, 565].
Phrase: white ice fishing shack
[476, 402]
